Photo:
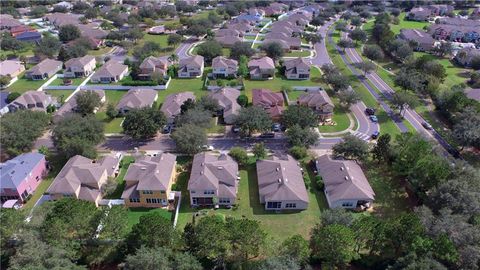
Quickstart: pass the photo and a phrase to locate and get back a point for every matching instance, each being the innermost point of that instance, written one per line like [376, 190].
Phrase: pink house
[21, 176]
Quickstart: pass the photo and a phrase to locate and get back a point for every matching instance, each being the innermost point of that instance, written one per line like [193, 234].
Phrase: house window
[154, 200]
[147, 192]
[67, 195]
[224, 200]
[134, 200]
[192, 191]
[37, 178]
[209, 192]
[274, 205]
[162, 191]
[194, 201]
[347, 204]
[291, 205]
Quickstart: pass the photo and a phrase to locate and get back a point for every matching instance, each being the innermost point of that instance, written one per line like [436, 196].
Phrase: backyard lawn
[134, 214]
[341, 119]
[455, 74]
[125, 163]
[59, 81]
[216, 127]
[303, 53]
[160, 40]
[114, 125]
[181, 85]
[23, 85]
[41, 188]
[279, 225]
[100, 51]
[61, 95]
[405, 24]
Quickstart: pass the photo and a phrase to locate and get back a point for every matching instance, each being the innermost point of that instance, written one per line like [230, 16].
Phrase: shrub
[242, 100]
[307, 181]
[129, 82]
[298, 152]
[319, 182]
[239, 154]
[12, 96]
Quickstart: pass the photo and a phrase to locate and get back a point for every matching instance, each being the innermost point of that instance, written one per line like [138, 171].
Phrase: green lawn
[455, 75]
[339, 117]
[216, 128]
[125, 163]
[23, 85]
[160, 40]
[41, 188]
[249, 37]
[60, 94]
[114, 125]
[26, 51]
[59, 81]
[225, 51]
[134, 214]
[405, 24]
[181, 85]
[278, 225]
[303, 53]
[100, 51]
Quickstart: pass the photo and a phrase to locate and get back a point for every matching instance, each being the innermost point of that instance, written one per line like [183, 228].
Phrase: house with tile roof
[191, 67]
[111, 71]
[148, 181]
[32, 100]
[271, 102]
[319, 102]
[151, 65]
[223, 67]
[297, 69]
[172, 105]
[21, 176]
[280, 184]
[79, 67]
[227, 100]
[345, 183]
[136, 98]
[261, 68]
[213, 180]
[83, 178]
[44, 70]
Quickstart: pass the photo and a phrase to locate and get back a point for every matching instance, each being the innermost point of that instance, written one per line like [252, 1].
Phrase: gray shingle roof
[292, 65]
[195, 61]
[111, 68]
[46, 66]
[315, 99]
[229, 64]
[137, 98]
[15, 170]
[172, 104]
[79, 61]
[227, 99]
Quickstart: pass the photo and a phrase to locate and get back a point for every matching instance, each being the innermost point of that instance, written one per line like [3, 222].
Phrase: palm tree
[173, 58]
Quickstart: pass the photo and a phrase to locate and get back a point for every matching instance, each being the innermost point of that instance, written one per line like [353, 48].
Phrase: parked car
[235, 129]
[267, 135]
[427, 126]
[375, 134]
[276, 127]
[370, 111]
[373, 118]
[208, 148]
[167, 129]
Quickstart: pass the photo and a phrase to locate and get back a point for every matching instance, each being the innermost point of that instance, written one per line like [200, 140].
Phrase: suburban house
[422, 40]
[149, 180]
[7, 22]
[345, 184]
[275, 9]
[464, 56]
[285, 26]
[297, 69]
[455, 33]
[191, 67]
[261, 68]
[227, 99]
[319, 102]
[153, 65]
[58, 19]
[32, 100]
[280, 184]
[300, 18]
[252, 16]
[83, 178]
[473, 94]
[29, 36]
[172, 105]
[242, 27]
[228, 36]
[11, 68]
[459, 22]
[135, 99]
[21, 175]
[271, 102]
[284, 39]
[424, 13]
[70, 106]
[79, 67]
[44, 69]
[213, 180]
[111, 71]
[223, 67]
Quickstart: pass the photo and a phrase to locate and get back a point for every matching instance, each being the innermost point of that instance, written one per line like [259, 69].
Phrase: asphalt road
[322, 56]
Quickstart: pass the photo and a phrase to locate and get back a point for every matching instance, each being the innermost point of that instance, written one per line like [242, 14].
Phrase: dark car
[167, 129]
[427, 125]
[375, 134]
[276, 127]
[370, 111]
[267, 135]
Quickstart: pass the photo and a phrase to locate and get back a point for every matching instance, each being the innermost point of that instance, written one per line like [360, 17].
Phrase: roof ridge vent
[342, 168]
[346, 178]
[279, 180]
[220, 167]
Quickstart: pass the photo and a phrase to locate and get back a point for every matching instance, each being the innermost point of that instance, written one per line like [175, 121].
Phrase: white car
[208, 148]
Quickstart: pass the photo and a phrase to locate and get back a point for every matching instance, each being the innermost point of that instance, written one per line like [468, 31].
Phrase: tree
[382, 151]
[333, 244]
[242, 100]
[366, 67]
[246, 237]
[209, 104]
[313, 38]
[337, 216]
[298, 136]
[356, 21]
[302, 116]
[409, 80]
[341, 26]
[68, 32]
[358, 35]
[296, 247]
[196, 117]
[298, 152]
[241, 48]
[174, 39]
[351, 148]
[143, 123]
[189, 139]
[401, 232]
[259, 150]
[11, 222]
[467, 128]
[76, 135]
[345, 43]
[152, 231]
[373, 52]
[9, 43]
[317, 21]
[48, 47]
[401, 49]
[347, 98]
[239, 155]
[475, 62]
[149, 48]
[111, 112]
[161, 258]
[38, 11]
[273, 50]
[12, 96]
[4, 81]
[187, 105]
[16, 137]
[403, 100]
[411, 261]
[87, 102]
[253, 119]
[445, 48]
[209, 50]
[279, 263]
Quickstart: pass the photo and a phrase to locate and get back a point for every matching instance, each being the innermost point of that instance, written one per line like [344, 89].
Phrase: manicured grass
[278, 225]
[125, 163]
[249, 37]
[160, 40]
[100, 52]
[340, 118]
[405, 24]
[41, 188]
[114, 96]
[181, 85]
[279, 80]
[225, 51]
[60, 94]
[298, 54]
[455, 75]
[134, 214]
[114, 125]
[27, 51]
[59, 81]
[216, 128]
[23, 85]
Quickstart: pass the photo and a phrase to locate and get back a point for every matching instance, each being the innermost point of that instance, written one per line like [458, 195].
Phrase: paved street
[321, 56]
